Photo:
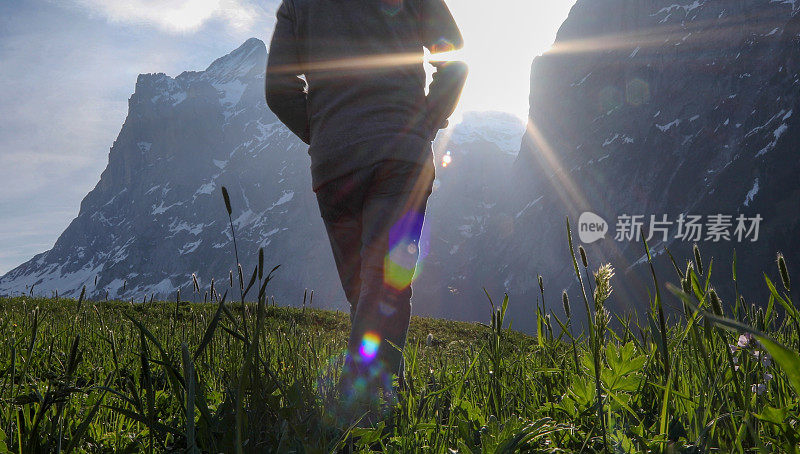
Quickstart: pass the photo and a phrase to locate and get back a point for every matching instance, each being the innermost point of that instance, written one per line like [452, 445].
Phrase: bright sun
[501, 39]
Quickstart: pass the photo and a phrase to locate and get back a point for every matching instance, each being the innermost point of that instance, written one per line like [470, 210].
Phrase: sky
[69, 66]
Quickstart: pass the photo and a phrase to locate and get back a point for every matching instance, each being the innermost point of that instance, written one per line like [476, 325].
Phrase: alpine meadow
[225, 376]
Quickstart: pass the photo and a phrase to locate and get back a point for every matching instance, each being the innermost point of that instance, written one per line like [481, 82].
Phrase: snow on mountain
[499, 128]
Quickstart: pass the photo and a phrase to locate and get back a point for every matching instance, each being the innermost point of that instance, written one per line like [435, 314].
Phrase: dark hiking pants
[374, 218]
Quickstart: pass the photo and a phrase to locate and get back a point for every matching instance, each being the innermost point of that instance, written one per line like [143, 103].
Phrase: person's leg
[345, 236]
[340, 202]
[392, 218]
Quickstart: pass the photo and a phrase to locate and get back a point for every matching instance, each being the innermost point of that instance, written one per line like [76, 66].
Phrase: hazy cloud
[179, 16]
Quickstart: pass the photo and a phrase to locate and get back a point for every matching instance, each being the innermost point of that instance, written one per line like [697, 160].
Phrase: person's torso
[363, 61]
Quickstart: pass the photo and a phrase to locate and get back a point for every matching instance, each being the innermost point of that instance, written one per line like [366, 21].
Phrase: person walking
[348, 78]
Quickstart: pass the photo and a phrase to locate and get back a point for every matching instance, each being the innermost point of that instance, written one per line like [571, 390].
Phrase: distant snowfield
[500, 128]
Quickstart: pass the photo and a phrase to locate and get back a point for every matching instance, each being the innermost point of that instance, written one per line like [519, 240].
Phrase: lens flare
[369, 345]
[404, 249]
[442, 45]
[447, 159]
[379, 375]
[396, 275]
[360, 385]
[387, 310]
[404, 255]
[637, 92]
[610, 99]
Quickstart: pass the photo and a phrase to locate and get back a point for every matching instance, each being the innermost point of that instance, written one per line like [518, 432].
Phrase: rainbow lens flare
[442, 45]
[369, 345]
[400, 263]
[395, 274]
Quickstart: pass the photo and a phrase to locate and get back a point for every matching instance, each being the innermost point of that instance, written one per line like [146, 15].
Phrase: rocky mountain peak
[245, 61]
[502, 129]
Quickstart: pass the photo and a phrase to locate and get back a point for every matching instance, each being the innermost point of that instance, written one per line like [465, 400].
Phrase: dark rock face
[654, 108]
[642, 108]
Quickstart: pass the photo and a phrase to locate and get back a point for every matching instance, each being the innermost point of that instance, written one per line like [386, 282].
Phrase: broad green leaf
[773, 415]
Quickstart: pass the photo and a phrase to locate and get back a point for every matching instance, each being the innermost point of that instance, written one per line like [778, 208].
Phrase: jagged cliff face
[662, 108]
[156, 216]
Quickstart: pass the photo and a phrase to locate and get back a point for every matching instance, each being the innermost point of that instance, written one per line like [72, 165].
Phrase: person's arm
[285, 91]
[441, 34]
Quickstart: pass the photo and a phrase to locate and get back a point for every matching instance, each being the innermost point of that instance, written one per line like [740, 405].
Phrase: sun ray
[565, 188]
[713, 33]
[365, 62]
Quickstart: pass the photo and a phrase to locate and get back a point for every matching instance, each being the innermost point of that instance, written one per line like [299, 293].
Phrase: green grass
[82, 376]
[115, 368]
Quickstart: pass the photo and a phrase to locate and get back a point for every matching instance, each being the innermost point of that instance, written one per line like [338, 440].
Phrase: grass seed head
[227, 200]
[686, 285]
[261, 263]
[583, 256]
[602, 279]
[601, 319]
[541, 284]
[698, 261]
[716, 303]
[784, 272]
[565, 301]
